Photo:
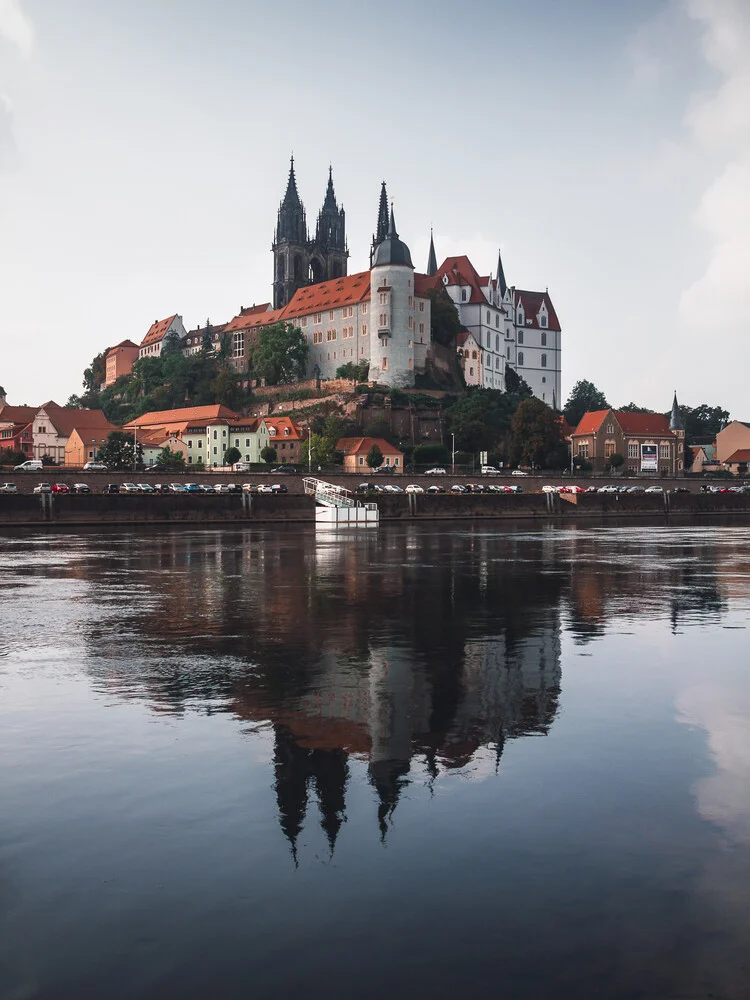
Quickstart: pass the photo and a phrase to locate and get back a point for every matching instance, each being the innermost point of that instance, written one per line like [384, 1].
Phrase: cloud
[15, 26]
[718, 301]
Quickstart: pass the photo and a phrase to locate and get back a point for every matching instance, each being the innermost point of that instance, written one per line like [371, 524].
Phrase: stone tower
[290, 245]
[381, 228]
[328, 252]
[392, 314]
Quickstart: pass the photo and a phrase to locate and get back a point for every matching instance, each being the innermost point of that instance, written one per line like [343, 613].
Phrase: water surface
[434, 762]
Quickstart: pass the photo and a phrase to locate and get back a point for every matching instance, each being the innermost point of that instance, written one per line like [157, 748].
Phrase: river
[432, 761]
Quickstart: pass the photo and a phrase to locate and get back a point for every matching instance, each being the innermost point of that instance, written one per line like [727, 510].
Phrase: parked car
[435, 472]
[436, 489]
[549, 489]
[680, 489]
[111, 488]
[33, 465]
[654, 489]
[278, 488]
[490, 470]
[412, 488]
[285, 468]
[129, 488]
[607, 489]
[146, 488]
[79, 488]
[191, 488]
[60, 488]
[161, 488]
[458, 488]
[43, 488]
[391, 488]
[519, 472]
[8, 488]
[176, 488]
[221, 488]
[243, 466]
[235, 488]
[95, 467]
[365, 488]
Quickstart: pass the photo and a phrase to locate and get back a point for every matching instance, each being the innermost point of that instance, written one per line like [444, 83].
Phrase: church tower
[329, 253]
[392, 312]
[381, 228]
[290, 245]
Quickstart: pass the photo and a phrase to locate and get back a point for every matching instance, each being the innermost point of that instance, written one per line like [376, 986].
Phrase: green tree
[95, 374]
[481, 419]
[358, 372]
[584, 398]
[702, 422]
[536, 433]
[516, 385]
[171, 459]
[634, 408]
[616, 461]
[170, 343]
[431, 454]
[232, 455]
[280, 354]
[445, 324]
[226, 390]
[12, 456]
[118, 450]
[268, 454]
[374, 457]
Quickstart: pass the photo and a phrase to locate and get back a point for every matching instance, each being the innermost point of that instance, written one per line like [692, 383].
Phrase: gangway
[337, 505]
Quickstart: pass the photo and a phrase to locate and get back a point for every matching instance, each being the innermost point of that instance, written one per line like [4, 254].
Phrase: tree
[170, 343]
[268, 454]
[280, 355]
[431, 454]
[358, 372]
[12, 456]
[634, 408]
[170, 459]
[584, 398]
[445, 324]
[516, 385]
[702, 421]
[95, 374]
[226, 390]
[232, 455]
[118, 450]
[535, 433]
[374, 457]
[616, 460]
[481, 419]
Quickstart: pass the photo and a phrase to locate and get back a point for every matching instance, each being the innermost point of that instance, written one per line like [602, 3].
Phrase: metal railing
[328, 495]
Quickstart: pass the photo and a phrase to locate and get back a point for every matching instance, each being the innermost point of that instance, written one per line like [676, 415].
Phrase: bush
[232, 455]
[464, 458]
[12, 456]
[268, 454]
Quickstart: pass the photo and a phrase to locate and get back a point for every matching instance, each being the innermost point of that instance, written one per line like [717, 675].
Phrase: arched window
[520, 357]
[544, 340]
[544, 361]
[488, 318]
[520, 336]
[497, 363]
[488, 340]
[474, 355]
[497, 342]
[463, 294]
[497, 320]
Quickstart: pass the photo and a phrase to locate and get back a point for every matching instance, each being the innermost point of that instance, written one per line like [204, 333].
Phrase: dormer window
[463, 294]
[543, 320]
[520, 317]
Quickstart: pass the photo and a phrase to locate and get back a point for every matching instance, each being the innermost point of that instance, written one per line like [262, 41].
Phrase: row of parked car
[365, 488]
[194, 488]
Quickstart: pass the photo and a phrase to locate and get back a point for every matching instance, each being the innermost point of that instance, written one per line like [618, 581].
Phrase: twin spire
[292, 223]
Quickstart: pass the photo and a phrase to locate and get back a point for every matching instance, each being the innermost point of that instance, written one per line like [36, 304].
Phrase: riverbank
[24, 510]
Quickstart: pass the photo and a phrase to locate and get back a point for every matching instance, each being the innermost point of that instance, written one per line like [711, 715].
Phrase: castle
[383, 315]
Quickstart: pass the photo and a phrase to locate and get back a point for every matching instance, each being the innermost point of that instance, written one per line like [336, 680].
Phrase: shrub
[431, 454]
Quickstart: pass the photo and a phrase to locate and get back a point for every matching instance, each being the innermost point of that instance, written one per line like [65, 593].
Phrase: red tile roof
[18, 414]
[329, 295]
[65, 421]
[532, 303]
[123, 343]
[157, 330]
[741, 455]
[185, 415]
[251, 310]
[282, 425]
[630, 423]
[591, 422]
[357, 445]
[254, 320]
[460, 271]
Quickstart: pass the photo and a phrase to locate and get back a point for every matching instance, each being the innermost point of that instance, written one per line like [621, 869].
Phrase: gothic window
[463, 294]
[520, 357]
[298, 268]
[488, 317]
[488, 340]
[280, 268]
[663, 451]
[542, 320]
[497, 342]
[497, 320]
[633, 449]
[544, 340]
[520, 336]
[497, 363]
[544, 361]
[474, 355]
[364, 329]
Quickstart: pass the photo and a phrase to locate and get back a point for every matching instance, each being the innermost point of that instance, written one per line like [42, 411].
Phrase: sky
[603, 147]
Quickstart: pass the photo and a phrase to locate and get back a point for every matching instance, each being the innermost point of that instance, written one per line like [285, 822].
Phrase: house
[119, 361]
[202, 429]
[285, 437]
[84, 443]
[152, 343]
[53, 425]
[16, 428]
[738, 462]
[704, 457]
[648, 442]
[356, 450]
[470, 357]
[732, 438]
[152, 443]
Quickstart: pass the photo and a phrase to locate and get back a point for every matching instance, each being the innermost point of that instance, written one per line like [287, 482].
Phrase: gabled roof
[90, 435]
[331, 294]
[249, 319]
[591, 422]
[630, 423]
[741, 455]
[65, 421]
[18, 414]
[532, 303]
[123, 343]
[424, 283]
[283, 424]
[184, 415]
[460, 271]
[464, 335]
[358, 445]
[157, 330]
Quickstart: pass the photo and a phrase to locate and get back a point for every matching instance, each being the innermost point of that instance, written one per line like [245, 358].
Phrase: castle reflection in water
[408, 649]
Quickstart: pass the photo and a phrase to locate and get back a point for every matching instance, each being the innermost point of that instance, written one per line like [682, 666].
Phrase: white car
[176, 488]
[519, 472]
[414, 489]
[435, 472]
[222, 488]
[130, 488]
[489, 470]
[654, 489]
[607, 489]
[391, 488]
[43, 488]
[8, 488]
[549, 489]
[146, 488]
[95, 467]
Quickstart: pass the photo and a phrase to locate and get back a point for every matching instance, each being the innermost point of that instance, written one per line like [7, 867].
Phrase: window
[544, 361]
[238, 345]
[215, 435]
[664, 451]
[303, 321]
[520, 336]
[508, 353]
[463, 294]
[488, 340]
[520, 317]
[610, 428]
[421, 306]
[247, 442]
[471, 371]
[489, 318]
[520, 357]
[544, 340]
[200, 443]
[361, 460]
[411, 301]
[497, 342]
[609, 449]
[411, 364]
[544, 379]
[364, 308]
[543, 321]
[330, 314]
[497, 321]
[236, 442]
[318, 337]
[384, 365]
[474, 355]
[383, 298]
[421, 327]
[330, 335]
[633, 449]
[318, 318]
[497, 363]
[583, 450]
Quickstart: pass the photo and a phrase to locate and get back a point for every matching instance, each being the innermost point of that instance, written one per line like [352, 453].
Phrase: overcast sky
[604, 146]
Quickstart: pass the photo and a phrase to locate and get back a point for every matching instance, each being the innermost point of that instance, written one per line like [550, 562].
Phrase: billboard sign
[649, 458]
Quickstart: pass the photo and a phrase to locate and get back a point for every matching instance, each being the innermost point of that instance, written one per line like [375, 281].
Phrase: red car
[60, 488]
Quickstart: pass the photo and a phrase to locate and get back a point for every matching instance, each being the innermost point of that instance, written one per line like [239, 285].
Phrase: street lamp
[135, 445]
[309, 449]
[453, 454]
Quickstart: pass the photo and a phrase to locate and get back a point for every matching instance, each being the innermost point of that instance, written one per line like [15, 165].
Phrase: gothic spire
[329, 205]
[675, 420]
[330, 231]
[291, 225]
[432, 259]
[501, 282]
[381, 229]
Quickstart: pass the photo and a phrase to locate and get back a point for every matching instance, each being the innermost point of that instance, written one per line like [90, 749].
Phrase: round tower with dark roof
[392, 317]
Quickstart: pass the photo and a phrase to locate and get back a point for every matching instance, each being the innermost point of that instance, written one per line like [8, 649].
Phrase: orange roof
[18, 414]
[591, 422]
[741, 455]
[357, 445]
[186, 415]
[157, 330]
[329, 295]
[123, 343]
[423, 283]
[90, 435]
[250, 310]
[65, 421]
[643, 423]
[250, 320]
[282, 425]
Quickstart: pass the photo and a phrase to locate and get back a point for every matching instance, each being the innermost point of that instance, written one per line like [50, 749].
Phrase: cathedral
[382, 316]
